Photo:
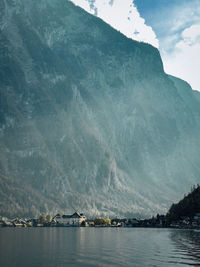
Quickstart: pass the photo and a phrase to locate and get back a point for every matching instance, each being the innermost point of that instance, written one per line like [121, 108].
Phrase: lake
[27, 247]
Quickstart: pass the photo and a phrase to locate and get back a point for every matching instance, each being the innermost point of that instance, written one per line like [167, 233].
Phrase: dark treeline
[188, 206]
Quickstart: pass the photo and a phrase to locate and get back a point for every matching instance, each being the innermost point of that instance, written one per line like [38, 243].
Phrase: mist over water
[99, 247]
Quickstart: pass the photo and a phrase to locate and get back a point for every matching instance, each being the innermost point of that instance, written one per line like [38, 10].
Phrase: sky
[173, 26]
[176, 24]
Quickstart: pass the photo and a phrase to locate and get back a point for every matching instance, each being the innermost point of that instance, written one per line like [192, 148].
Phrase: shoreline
[102, 226]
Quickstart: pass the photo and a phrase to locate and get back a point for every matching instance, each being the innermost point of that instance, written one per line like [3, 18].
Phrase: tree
[42, 219]
[48, 218]
[102, 221]
[188, 206]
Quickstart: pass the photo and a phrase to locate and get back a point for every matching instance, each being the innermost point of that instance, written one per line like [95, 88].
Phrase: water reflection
[98, 247]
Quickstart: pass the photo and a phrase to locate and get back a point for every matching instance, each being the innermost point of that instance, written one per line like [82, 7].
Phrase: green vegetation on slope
[188, 206]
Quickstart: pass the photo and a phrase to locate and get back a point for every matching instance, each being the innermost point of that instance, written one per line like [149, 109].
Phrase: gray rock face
[88, 118]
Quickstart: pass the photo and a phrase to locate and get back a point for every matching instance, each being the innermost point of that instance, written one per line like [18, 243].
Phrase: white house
[70, 220]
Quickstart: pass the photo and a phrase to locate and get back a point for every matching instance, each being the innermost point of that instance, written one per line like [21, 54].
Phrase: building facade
[69, 220]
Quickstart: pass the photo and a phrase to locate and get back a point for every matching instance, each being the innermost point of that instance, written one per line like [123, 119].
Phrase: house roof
[75, 215]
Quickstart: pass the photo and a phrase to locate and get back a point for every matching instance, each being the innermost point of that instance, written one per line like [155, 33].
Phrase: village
[79, 220]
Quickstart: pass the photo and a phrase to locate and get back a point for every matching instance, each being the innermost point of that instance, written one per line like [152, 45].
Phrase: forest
[188, 206]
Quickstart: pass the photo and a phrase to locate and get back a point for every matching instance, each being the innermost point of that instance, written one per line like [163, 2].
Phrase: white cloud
[186, 15]
[184, 61]
[121, 15]
[178, 33]
[190, 36]
[82, 3]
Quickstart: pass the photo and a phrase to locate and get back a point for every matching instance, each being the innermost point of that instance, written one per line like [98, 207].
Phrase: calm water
[27, 247]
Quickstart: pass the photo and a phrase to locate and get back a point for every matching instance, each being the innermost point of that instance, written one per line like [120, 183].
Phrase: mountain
[188, 206]
[89, 121]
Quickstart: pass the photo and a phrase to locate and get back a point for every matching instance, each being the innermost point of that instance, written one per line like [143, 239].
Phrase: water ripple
[99, 247]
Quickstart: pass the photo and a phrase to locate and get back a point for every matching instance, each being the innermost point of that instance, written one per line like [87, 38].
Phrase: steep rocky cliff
[88, 118]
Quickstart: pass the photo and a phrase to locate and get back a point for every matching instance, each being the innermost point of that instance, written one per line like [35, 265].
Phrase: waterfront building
[69, 220]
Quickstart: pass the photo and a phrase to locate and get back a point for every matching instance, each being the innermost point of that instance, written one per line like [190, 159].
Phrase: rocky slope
[88, 118]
